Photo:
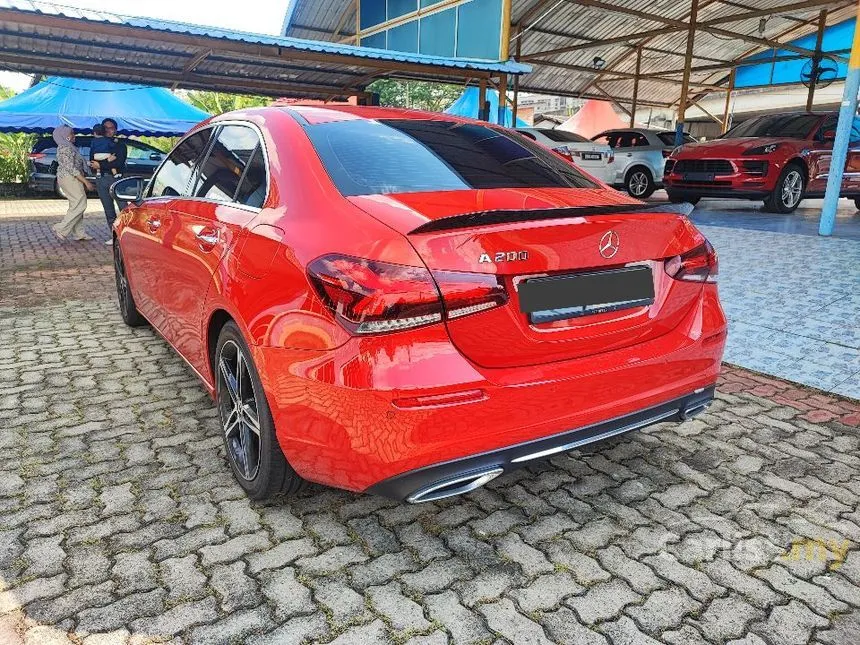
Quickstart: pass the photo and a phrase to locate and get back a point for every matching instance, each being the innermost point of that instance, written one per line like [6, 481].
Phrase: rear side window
[366, 157]
[219, 176]
[137, 151]
[252, 189]
[173, 176]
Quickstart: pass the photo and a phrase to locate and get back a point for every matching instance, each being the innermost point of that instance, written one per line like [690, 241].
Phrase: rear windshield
[562, 137]
[668, 138]
[792, 126]
[366, 157]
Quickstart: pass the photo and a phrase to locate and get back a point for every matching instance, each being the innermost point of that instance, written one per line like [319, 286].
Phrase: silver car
[594, 158]
[640, 155]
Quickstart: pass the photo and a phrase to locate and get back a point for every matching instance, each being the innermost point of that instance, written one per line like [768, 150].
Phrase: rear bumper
[462, 475]
[387, 414]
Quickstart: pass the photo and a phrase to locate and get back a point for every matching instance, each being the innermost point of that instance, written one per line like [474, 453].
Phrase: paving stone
[585, 569]
[295, 631]
[503, 618]
[236, 627]
[816, 597]
[44, 556]
[332, 560]
[532, 561]
[463, 625]
[282, 554]
[17, 597]
[54, 610]
[697, 583]
[234, 588]
[546, 592]
[790, 624]
[498, 523]
[843, 630]
[233, 549]
[640, 577]
[344, 603]
[489, 584]
[437, 576]
[121, 612]
[403, 614]
[133, 572]
[753, 590]
[376, 538]
[240, 517]
[603, 601]
[45, 635]
[371, 634]
[727, 618]
[624, 632]
[381, 569]
[177, 619]
[286, 593]
[663, 610]
[563, 626]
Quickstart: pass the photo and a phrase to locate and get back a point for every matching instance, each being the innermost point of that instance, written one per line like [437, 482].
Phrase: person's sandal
[84, 238]
[62, 238]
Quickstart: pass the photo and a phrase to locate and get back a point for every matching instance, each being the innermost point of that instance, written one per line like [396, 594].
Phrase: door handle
[153, 223]
[207, 237]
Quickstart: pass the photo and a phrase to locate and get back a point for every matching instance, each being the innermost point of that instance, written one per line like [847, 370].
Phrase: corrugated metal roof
[43, 37]
[554, 24]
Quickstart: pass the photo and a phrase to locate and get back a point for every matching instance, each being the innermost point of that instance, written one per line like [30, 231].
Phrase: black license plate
[698, 176]
[592, 156]
[583, 294]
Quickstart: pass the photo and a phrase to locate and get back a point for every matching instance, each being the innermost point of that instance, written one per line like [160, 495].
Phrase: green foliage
[165, 144]
[218, 102]
[417, 95]
[14, 148]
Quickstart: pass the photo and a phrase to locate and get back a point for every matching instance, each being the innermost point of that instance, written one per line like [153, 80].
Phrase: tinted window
[137, 151]
[252, 189]
[668, 138]
[606, 139]
[218, 177]
[172, 178]
[563, 137]
[797, 126]
[365, 157]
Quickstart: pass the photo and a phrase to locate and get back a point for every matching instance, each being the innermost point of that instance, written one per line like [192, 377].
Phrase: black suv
[142, 161]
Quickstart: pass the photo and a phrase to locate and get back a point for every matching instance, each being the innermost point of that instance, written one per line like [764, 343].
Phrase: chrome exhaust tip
[457, 485]
[694, 410]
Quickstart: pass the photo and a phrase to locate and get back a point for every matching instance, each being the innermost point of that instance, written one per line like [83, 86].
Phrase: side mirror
[828, 136]
[155, 156]
[129, 189]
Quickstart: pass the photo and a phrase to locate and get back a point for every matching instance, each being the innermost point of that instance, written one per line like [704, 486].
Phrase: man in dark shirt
[107, 179]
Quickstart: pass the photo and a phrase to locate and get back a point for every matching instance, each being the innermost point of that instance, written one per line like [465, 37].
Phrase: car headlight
[762, 150]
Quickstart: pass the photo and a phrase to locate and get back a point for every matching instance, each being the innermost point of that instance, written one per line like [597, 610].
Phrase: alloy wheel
[792, 187]
[237, 407]
[638, 183]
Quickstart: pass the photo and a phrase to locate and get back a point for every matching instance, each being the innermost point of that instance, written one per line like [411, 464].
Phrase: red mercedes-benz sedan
[411, 304]
[778, 158]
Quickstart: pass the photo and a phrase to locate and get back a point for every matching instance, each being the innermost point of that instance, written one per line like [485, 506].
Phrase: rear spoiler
[488, 218]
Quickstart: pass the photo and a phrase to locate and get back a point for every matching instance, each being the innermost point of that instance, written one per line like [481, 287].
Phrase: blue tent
[836, 38]
[467, 105]
[80, 103]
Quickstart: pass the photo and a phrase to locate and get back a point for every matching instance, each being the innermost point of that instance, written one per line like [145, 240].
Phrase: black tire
[255, 457]
[127, 308]
[639, 182]
[675, 198]
[789, 190]
[857, 203]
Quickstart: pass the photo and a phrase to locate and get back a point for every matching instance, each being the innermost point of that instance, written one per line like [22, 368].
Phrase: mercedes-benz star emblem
[609, 244]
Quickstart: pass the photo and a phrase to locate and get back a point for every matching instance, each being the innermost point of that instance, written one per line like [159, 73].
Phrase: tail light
[611, 157]
[564, 153]
[37, 155]
[370, 297]
[696, 265]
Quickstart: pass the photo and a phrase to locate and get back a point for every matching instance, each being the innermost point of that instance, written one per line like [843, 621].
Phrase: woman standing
[72, 179]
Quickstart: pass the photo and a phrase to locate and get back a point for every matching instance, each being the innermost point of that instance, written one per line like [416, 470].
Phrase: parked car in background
[409, 303]
[142, 161]
[777, 158]
[594, 158]
[640, 154]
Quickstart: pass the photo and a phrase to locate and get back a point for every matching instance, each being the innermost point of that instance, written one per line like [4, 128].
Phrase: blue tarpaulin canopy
[837, 38]
[467, 105]
[137, 109]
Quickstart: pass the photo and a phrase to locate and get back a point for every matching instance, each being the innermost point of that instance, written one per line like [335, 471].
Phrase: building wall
[468, 29]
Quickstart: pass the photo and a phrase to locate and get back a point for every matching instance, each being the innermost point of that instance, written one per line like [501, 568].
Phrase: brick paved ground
[120, 522]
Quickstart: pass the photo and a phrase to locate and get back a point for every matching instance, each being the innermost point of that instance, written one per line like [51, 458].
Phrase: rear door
[227, 192]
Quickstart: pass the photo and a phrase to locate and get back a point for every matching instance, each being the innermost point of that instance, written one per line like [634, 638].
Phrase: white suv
[640, 156]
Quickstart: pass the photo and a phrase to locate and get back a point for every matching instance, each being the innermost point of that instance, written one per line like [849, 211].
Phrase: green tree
[14, 148]
[418, 95]
[219, 102]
